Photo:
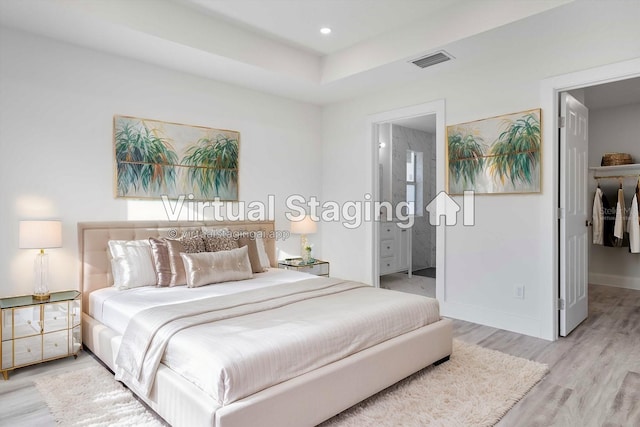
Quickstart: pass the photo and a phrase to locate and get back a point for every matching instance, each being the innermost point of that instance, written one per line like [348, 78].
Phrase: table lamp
[41, 235]
[303, 227]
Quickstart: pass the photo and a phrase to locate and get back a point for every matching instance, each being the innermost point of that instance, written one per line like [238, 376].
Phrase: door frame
[430, 108]
[549, 101]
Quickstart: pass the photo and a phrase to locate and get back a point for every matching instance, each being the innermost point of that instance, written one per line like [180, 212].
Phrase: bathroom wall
[423, 234]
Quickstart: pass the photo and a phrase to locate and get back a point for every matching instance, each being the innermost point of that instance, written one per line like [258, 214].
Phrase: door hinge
[561, 122]
[560, 304]
[560, 213]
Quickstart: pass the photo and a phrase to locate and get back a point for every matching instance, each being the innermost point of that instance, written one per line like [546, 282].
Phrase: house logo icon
[444, 205]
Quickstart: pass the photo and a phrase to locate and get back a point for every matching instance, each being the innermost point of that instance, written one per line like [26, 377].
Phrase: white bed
[185, 395]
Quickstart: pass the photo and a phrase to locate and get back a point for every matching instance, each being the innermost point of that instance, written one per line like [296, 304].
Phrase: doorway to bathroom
[409, 172]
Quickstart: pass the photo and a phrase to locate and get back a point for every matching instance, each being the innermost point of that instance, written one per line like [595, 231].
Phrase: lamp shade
[40, 234]
[305, 226]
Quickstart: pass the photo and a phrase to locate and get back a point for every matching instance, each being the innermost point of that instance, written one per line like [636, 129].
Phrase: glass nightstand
[34, 331]
[317, 267]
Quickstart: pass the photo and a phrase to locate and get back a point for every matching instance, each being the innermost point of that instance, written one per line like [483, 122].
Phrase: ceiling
[615, 94]
[297, 22]
[275, 46]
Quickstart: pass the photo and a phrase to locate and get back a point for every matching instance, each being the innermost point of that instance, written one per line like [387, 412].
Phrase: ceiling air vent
[432, 59]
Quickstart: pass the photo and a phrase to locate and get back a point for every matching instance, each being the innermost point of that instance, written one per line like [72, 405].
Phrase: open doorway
[609, 112]
[609, 93]
[408, 166]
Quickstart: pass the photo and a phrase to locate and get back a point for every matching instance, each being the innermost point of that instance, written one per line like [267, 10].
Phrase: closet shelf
[618, 171]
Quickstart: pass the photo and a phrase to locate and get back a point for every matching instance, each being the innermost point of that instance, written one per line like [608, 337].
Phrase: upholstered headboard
[93, 238]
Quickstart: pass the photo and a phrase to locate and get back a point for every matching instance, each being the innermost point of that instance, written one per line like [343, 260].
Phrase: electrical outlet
[518, 291]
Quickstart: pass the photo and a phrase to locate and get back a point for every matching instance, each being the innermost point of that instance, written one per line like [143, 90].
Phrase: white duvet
[236, 345]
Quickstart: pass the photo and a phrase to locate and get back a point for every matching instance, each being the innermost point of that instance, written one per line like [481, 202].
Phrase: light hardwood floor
[594, 377]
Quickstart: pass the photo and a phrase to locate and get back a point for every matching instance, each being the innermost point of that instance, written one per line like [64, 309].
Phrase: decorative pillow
[252, 249]
[219, 240]
[178, 276]
[131, 263]
[262, 253]
[192, 244]
[206, 268]
[161, 261]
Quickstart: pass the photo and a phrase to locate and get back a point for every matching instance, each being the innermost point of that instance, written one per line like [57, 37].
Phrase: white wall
[513, 238]
[615, 129]
[57, 103]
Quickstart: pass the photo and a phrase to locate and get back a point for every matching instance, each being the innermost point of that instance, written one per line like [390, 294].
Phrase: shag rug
[476, 387]
[92, 397]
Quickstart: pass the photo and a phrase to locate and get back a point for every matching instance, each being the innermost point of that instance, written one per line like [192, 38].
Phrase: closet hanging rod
[617, 176]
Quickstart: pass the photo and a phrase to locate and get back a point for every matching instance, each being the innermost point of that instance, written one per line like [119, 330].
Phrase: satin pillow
[206, 268]
[161, 261]
[252, 249]
[178, 275]
[131, 263]
[262, 253]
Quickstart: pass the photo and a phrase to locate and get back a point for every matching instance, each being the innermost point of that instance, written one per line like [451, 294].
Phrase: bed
[305, 396]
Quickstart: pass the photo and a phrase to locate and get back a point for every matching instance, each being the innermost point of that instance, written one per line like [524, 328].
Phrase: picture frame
[155, 159]
[496, 155]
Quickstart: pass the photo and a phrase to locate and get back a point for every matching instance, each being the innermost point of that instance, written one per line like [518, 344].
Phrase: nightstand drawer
[55, 344]
[56, 317]
[27, 350]
[26, 321]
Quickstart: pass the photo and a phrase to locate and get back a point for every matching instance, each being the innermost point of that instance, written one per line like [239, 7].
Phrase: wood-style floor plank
[593, 371]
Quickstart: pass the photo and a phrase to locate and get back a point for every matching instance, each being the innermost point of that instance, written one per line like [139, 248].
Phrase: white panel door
[574, 149]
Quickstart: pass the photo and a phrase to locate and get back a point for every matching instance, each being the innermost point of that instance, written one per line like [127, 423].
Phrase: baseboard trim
[616, 281]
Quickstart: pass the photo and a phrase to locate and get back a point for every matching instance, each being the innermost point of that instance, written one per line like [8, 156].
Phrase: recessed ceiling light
[325, 30]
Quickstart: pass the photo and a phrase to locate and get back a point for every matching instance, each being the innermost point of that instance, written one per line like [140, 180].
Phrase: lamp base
[41, 297]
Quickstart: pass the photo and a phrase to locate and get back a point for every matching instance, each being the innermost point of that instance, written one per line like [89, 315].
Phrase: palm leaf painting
[144, 160]
[466, 157]
[156, 159]
[496, 155]
[214, 164]
[516, 153]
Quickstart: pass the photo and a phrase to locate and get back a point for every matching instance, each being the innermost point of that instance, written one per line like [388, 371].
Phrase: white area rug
[475, 388]
[92, 397]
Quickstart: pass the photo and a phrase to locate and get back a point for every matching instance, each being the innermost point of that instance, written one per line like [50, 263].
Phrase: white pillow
[131, 264]
[262, 254]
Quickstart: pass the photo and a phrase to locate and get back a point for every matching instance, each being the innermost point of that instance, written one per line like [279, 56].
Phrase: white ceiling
[615, 94]
[274, 46]
[297, 22]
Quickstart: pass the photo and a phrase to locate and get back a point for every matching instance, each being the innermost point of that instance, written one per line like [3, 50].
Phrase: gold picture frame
[155, 159]
[497, 155]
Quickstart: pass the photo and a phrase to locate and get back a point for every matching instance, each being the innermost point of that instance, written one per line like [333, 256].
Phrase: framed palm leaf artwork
[497, 155]
[155, 159]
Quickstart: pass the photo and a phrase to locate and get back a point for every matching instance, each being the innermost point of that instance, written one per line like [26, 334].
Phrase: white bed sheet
[115, 308]
[243, 355]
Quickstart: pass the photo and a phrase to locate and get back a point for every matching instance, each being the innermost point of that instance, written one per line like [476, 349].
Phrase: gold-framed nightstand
[34, 331]
[317, 267]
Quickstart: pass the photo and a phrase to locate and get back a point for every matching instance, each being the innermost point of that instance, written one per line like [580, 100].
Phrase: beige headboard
[93, 238]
